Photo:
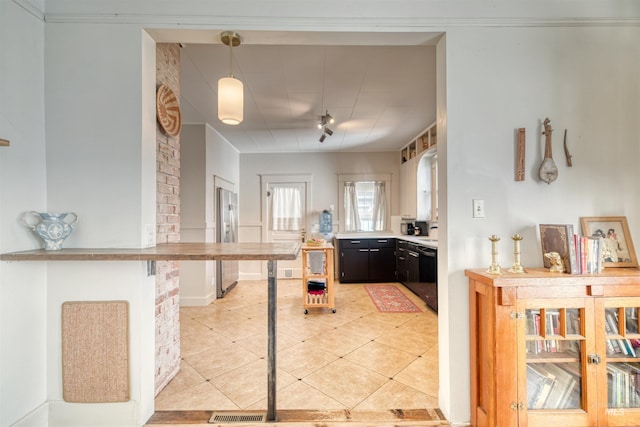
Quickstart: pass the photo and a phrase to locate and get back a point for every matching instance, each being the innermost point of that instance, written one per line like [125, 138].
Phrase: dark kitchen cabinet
[354, 265]
[382, 264]
[367, 260]
[402, 261]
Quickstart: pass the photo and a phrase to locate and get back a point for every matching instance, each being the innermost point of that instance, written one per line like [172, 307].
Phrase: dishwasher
[422, 277]
[429, 276]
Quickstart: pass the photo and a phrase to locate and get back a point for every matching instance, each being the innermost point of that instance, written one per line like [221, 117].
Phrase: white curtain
[286, 209]
[379, 206]
[352, 217]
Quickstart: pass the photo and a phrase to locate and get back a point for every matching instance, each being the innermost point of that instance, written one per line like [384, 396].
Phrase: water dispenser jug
[325, 222]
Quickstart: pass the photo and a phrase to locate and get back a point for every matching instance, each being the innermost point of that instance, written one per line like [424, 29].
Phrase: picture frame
[618, 250]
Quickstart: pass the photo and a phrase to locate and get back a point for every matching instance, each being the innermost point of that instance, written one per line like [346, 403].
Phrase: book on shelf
[553, 386]
[633, 372]
[565, 386]
[622, 381]
[552, 328]
[573, 401]
[611, 327]
[631, 315]
[539, 386]
[533, 328]
[591, 254]
[546, 342]
[612, 345]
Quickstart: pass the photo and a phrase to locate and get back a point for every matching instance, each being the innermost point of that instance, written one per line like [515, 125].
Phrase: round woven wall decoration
[168, 111]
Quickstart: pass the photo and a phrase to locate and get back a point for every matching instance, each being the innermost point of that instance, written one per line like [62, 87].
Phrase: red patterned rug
[390, 299]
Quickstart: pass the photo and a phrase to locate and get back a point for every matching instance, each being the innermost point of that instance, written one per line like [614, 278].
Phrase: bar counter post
[271, 377]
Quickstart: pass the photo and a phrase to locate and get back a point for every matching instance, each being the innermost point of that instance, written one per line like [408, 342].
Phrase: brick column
[168, 228]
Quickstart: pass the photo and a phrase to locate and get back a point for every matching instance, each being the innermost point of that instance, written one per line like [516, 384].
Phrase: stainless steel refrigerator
[227, 232]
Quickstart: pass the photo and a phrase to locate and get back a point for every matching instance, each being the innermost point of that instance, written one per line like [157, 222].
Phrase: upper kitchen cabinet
[408, 189]
[410, 156]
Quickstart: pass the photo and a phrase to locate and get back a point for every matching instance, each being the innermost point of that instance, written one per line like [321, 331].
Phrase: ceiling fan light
[230, 100]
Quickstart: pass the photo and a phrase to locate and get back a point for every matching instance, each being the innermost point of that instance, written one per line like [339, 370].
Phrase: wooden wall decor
[520, 151]
[95, 351]
[566, 150]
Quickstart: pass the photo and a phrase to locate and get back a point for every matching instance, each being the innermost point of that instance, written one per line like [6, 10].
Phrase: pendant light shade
[230, 89]
[230, 100]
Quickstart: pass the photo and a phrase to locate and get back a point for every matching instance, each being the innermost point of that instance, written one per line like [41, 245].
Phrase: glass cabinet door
[558, 340]
[554, 341]
[622, 348]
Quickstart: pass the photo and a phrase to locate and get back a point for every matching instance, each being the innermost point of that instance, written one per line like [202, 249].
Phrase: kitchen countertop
[422, 240]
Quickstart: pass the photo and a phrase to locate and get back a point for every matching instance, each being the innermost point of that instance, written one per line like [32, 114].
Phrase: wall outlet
[478, 208]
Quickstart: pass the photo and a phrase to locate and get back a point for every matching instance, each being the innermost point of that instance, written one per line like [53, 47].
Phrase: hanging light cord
[231, 58]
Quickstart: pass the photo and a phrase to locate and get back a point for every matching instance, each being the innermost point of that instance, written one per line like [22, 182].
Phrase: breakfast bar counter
[165, 252]
[270, 252]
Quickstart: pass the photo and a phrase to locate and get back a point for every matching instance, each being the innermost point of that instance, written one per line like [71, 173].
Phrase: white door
[285, 206]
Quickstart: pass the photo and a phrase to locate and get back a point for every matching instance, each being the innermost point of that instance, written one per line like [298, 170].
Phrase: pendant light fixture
[230, 89]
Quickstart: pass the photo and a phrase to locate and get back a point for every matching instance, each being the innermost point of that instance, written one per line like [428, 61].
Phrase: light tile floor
[356, 358]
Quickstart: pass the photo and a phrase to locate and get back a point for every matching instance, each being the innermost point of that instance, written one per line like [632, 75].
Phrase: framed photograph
[618, 248]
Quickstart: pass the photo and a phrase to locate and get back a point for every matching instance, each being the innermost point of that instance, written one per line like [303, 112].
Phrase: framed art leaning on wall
[618, 248]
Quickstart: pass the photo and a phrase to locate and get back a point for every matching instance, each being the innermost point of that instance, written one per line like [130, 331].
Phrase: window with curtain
[286, 208]
[365, 206]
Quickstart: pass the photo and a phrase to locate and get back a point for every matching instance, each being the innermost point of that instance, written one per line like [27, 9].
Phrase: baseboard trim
[197, 301]
[37, 417]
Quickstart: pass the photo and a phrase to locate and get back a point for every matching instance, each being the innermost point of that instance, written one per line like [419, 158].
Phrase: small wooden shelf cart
[317, 276]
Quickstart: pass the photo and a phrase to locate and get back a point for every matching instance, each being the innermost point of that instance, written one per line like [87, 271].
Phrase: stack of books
[552, 330]
[619, 345]
[622, 383]
[579, 254]
[553, 385]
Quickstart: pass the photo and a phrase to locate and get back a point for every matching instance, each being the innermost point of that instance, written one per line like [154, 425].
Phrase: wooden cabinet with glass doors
[552, 349]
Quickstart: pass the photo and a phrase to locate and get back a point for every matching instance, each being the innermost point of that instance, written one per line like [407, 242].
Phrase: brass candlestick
[494, 268]
[516, 267]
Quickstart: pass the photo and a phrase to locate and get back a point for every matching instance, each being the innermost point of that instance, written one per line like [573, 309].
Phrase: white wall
[207, 161]
[94, 87]
[23, 294]
[100, 131]
[324, 167]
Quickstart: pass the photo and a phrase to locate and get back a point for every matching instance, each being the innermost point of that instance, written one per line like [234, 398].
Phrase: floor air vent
[237, 417]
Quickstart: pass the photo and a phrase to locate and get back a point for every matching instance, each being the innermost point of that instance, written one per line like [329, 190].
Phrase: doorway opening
[221, 357]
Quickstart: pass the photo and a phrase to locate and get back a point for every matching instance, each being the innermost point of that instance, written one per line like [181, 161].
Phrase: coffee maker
[407, 228]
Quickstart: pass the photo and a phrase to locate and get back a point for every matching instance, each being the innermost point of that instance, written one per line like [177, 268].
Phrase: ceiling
[379, 87]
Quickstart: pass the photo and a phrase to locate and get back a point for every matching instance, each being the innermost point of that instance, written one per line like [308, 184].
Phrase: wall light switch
[149, 235]
[478, 208]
